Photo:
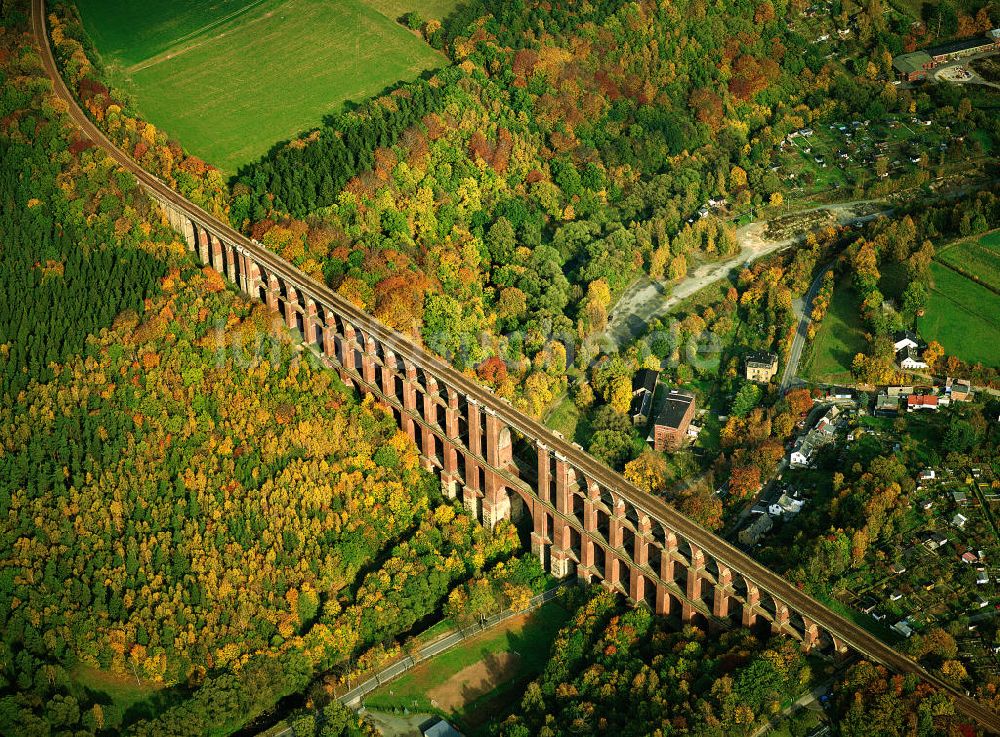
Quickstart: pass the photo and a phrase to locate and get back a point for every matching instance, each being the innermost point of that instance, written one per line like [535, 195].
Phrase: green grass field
[530, 639]
[426, 9]
[134, 698]
[839, 338]
[131, 31]
[230, 78]
[977, 258]
[962, 316]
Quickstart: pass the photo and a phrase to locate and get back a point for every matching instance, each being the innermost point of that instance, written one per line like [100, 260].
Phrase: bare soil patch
[473, 681]
[798, 224]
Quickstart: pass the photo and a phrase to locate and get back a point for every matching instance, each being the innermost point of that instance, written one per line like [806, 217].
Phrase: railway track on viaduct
[454, 426]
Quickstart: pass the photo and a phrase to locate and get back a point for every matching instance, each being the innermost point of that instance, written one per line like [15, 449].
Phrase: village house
[786, 505]
[671, 424]
[643, 388]
[916, 402]
[905, 339]
[934, 540]
[761, 366]
[751, 534]
[822, 434]
[909, 359]
[885, 405]
[960, 390]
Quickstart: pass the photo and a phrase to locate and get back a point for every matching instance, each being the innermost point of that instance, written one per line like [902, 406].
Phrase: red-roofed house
[921, 401]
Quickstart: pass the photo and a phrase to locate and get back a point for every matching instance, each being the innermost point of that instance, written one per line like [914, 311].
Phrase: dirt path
[646, 299]
[473, 681]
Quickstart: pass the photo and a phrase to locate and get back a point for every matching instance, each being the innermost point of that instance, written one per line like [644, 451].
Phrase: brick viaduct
[587, 520]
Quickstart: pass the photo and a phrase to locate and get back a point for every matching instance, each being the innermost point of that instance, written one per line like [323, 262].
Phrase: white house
[905, 339]
[910, 359]
[802, 456]
[786, 505]
[903, 628]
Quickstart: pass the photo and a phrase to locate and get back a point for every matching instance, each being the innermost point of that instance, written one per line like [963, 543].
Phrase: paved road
[803, 309]
[644, 504]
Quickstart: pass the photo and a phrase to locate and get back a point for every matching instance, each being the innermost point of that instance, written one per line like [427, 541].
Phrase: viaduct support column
[472, 493]
[272, 294]
[612, 573]
[451, 474]
[329, 337]
[839, 646]
[188, 231]
[723, 589]
[540, 533]
[203, 246]
[562, 564]
[231, 255]
[217, 255]
[751, 605]
[309, 323]
[694, 581]
[781, 618]
[544, 474]
[429, 410]
[669, 558]
[291, 307]
[810, 635]
[409, 398]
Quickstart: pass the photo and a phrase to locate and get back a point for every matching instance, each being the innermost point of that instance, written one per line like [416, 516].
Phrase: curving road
[851, 634]
[803, 308]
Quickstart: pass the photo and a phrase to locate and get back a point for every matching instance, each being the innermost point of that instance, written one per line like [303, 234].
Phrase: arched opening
[600, 561]
[699, 620]
[707, 594]
[604, 523]
[797, 624]
[576, 543]
[624, 577]
[654, 558]
[649, 593]
[735, 613]
[681, 576]
[684, 551]
[576, 507]
[224, 256]
[505, 451]
[628, 542]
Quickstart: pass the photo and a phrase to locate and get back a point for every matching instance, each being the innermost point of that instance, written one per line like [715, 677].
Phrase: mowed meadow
[230, 78]
[962, 313]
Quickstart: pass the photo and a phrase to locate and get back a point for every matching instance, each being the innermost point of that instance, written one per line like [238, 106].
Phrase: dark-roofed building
[909, 359]
[672, 421]
[959, 49]
[913, 66]
[905, 339]
[761, 366]
[960, 390]
[643, 388]
[441, 728]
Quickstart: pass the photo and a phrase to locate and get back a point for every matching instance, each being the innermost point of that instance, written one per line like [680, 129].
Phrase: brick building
[672, 421]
